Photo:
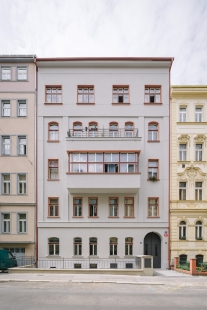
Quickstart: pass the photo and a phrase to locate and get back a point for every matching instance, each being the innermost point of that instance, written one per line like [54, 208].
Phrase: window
[22, 108]
[152, 94]
[77, 129]
[113, 243]
[153, 169]
[182, 230]
[86, 94]
[6, 223]
[198, 190]
[93, 207]
[6, 73]
[153, 132]
[183, 152]
[198, 152]
[103, 162]
[22, 184]
[5, 108]
[153, 207]
[53, 131]
[129, 246]
[120, 94]
[129, 129]
[113, 207]
[22, 225]
[182, 114]
[77, 246]
[6, 184]
[53, 244]
[22, 141]
[92, 246]
[22, 73]
[198, 114]
[53, 206]
[183, 259]
[53, 94]
[113, 129]
[93, 129]
[6, 145]
[182, 191]
[128, 207]
[53, 169]
[77, 206]
[198, 230]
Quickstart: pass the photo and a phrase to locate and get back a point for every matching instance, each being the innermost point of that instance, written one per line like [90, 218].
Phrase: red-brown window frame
[126, 216]
[110, 216]
[129, 130]
[96, 216]
[78, 216]
[150, 160]
[120, 86]
[158, 132]
[53, 86]
[158, 207]
[49, 204]
[49, 160]
[86, 86]
[153, 86]
[49, 124]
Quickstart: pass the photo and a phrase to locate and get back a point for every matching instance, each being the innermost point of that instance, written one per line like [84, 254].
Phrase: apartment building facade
[17, 154]
[189, 172]
[103, 158]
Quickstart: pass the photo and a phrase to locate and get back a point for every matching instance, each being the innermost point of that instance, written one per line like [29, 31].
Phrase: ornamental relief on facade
[191, 173]
[200, 139]
[184, 138]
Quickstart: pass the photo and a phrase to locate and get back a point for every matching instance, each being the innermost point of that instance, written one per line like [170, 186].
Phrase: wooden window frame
[111, 216]
[117, 93]
[93, 244]
[127, 244]
[158, 132]
[49, 124]
[158, 174]
[77, 130]
[199, 191]
[156, 204]
[50, 205]
[77, 216]
[182, 190]
[114, 245]
[152, 87]
[114, 130]
[93, 132]
[79, 246]
[50, 160]
[88, 94]
[182, 231]
[3, 68]
[199, 152]
[199, 230]
[129, 216]
[129, 130]
[89, 216]
[55, 244]
[53, 87]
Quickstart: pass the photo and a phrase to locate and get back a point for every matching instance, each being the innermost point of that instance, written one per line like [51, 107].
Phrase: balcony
[102, 133]
[128, 183]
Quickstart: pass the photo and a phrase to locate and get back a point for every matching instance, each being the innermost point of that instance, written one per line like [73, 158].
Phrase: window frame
[8, 102]
[153, 168]
[152, 87]
[182, 115]
[77, 132]
[50, 160]
[19, 145]
[47, 87]
[128, 247]
[199, 230]
[93, 246]
[113, 246]
[10, 69]
[6, 222]
[119, 87]
[183, 152]
[22, 101]
[157, 132]
[6, 183]
[131, 131]
[112, 205]
[88, 87]
[93, 132]
[114, 132]
[128, 205]
[156, 204]
[6, 145]
[199, 152]
[55, 245]
[182, 191]
[198, 191]
[95, 207]
[20, 68]
[182, 230]
[54, 205]
[22, 183]
[198, 115]
[77, 246]
[77, 205]
[54, 130]
[22, 221]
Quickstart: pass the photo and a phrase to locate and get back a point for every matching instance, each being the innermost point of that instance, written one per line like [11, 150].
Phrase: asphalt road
[100, 296]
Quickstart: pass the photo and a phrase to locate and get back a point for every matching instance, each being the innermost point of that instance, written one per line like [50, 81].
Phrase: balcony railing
[102, 133]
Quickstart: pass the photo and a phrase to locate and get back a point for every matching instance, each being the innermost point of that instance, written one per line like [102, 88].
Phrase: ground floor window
[113, 242]
[93, 246]
[128, 246]
[53, 246]
[77, 246]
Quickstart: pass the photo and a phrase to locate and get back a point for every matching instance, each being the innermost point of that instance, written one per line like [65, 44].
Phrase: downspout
[36, 165]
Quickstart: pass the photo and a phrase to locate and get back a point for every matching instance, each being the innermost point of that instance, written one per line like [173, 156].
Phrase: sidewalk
[161, 277]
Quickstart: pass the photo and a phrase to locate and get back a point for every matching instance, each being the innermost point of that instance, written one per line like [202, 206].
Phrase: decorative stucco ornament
[184, 138]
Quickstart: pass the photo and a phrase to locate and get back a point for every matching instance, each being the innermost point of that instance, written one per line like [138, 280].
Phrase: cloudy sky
[119, 28]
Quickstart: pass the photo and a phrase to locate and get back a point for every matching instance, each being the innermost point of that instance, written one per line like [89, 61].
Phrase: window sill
[129, 217]
[53, 180]
[56, 256]
[75, 217]
[86, 103]
[112, 217]
[52, 217]
[113, 256]
[53, 141]
[199, 240]
[93, 217]
[77, 256]
[153, 217]
[153, 103]
[153, 180]
[153, 141]
[93, 256]
[120, 103]
[53, 103]
[183, 240]
[128, 256]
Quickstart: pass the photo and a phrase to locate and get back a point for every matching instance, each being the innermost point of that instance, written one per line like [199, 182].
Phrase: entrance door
[152, 246]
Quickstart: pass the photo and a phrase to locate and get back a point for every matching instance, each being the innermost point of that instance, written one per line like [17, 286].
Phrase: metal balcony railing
[102, 133]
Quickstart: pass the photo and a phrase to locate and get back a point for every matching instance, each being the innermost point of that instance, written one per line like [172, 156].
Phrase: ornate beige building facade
[188, 211]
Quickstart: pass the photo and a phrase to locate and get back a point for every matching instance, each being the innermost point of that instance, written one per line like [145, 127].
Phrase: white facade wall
[103, 75]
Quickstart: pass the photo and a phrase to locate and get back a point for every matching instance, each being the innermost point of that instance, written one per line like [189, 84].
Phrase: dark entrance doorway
[152, 246]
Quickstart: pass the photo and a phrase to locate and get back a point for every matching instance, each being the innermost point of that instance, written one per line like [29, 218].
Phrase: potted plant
[199, 238]
[153, 178]
[182, 238]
